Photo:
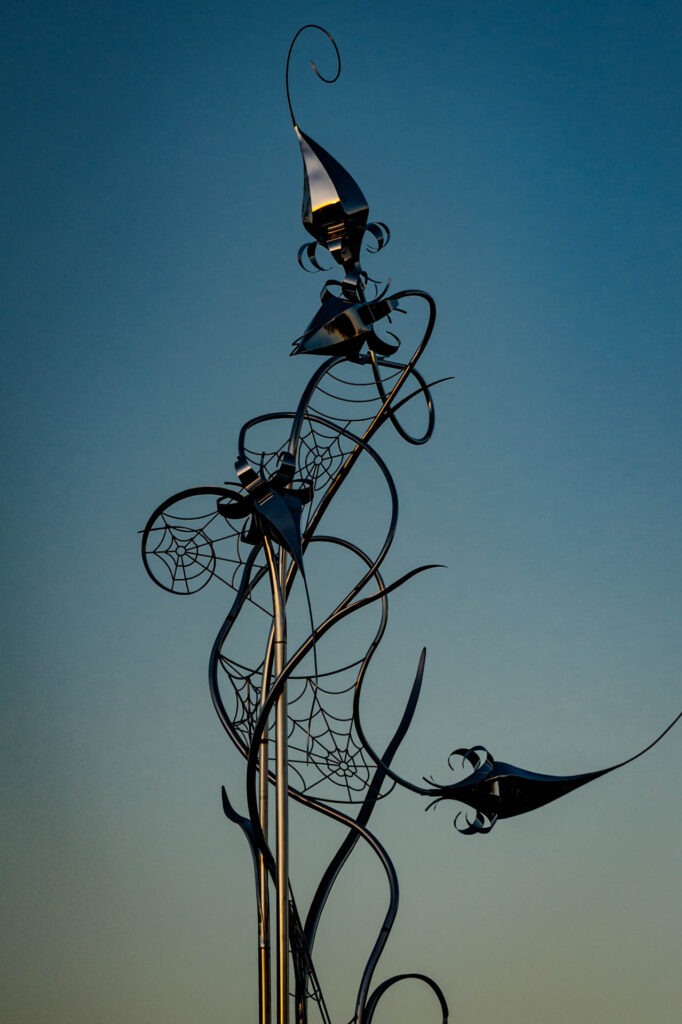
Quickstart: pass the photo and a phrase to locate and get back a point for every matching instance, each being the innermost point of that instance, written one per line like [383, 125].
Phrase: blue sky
[527, 158]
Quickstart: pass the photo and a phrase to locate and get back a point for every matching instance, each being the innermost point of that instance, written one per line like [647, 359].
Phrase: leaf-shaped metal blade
[341, 328]
[334, 209]
[283, 515]
[501, 790]
[508, 791]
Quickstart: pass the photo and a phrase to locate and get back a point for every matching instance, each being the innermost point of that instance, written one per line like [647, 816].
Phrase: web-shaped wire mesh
[187, 543]
[325, 758]
[347, 398]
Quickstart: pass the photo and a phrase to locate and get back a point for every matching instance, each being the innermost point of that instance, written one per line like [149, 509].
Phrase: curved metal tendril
[319, 74]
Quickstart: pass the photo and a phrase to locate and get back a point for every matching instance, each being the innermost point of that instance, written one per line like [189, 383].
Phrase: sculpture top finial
[335, 212]
[329, 81]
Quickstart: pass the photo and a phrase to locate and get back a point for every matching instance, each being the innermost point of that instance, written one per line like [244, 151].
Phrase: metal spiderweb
[323, 744]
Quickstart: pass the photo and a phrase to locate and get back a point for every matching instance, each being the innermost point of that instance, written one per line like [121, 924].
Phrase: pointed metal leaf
[334, 208]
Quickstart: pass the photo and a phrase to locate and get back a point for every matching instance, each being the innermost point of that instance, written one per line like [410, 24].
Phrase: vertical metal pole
[282, 732]
[264, 964]
[278, 577]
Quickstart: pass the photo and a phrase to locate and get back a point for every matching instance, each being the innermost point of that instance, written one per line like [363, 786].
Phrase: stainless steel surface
[282, 726]
[254, 536]
[277, 567]
[264, 949]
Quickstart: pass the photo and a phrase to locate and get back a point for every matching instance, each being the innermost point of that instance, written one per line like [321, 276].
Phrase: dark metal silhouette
[256, 535]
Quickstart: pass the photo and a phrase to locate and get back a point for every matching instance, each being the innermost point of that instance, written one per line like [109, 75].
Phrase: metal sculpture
[256, 534]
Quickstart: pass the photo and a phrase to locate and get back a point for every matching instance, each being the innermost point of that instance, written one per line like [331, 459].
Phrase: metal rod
[264, 959]
[278, 578]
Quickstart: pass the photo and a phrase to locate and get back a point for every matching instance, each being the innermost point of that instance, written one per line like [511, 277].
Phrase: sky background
[528, 160]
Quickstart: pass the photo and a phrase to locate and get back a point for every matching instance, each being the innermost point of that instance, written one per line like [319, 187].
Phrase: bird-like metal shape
[341, 327]
[295, 716]
[496, 790]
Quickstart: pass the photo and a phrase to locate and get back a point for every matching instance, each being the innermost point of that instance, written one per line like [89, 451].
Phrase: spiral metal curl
[322, 77]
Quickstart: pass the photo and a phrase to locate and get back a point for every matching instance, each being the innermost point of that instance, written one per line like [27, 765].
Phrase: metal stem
[264, 962]
[277, 579]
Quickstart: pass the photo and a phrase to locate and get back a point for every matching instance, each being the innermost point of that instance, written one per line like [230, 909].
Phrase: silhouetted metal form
[255, 535]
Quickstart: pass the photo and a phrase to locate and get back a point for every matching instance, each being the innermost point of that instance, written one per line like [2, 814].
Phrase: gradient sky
[528, 160]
